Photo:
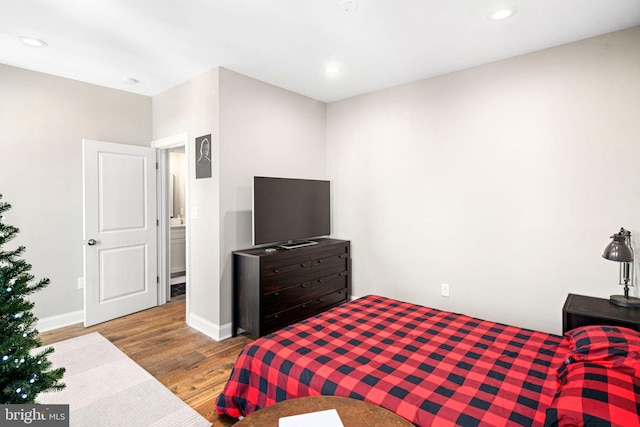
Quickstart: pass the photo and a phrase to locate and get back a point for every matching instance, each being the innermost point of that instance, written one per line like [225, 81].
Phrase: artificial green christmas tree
[22, 374]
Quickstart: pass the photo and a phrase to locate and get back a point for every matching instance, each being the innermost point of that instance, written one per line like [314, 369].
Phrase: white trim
[225, 331]
[212, 330]
[164, 235]
[171, 141]
[60, 321]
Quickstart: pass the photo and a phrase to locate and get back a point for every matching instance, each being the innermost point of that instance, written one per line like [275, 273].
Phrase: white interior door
[120, 234]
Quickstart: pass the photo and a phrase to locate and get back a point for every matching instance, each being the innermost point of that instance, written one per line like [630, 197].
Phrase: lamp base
[625, 302]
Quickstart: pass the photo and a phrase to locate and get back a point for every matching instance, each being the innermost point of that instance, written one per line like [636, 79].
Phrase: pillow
[609, 346]
[593, 395]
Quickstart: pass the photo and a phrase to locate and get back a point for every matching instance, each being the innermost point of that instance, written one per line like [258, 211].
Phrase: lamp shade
[619, 249]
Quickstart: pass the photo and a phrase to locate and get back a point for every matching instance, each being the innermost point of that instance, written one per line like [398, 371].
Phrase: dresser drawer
[284, 318]
[281, 277]
[330, 265]
[278, 277]
[285, 258]
[293, 295]
[326, 301]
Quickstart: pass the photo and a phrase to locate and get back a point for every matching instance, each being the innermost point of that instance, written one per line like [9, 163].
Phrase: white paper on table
[328, 418]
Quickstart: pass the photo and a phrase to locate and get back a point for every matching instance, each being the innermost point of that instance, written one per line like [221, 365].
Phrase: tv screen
[286, 209]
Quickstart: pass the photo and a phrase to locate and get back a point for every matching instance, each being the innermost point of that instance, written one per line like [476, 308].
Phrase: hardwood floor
[190, 364]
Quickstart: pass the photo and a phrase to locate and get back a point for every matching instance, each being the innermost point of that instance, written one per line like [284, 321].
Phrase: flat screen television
[288, 211]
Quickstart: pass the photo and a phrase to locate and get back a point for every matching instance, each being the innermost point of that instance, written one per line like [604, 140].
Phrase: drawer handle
[303, 265]
[275, 294]
[320, 261]
[275, 316]
[304, 306]
[321, 299]
[276, 271]
[304, 285]
[319, 280]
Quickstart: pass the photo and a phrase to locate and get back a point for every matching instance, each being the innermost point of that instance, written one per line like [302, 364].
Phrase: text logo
[34, 415]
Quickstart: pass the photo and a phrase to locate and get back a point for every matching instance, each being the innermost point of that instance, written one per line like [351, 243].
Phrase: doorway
[177, 223]
[173, 216]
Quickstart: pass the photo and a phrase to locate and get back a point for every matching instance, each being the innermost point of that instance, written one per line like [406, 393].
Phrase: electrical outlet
[445, 290]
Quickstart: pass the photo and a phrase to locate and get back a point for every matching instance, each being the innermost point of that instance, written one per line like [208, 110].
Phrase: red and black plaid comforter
[433, 368]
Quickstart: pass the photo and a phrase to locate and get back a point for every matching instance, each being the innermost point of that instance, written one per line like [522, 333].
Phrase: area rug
[107, 388]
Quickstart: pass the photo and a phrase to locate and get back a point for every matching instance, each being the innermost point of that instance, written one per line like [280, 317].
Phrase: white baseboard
[210, 329]
[225, 331]
[60, 321]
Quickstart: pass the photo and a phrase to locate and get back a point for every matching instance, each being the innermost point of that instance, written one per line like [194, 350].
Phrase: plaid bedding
[434, 368]
[595, 395]
[610, 346]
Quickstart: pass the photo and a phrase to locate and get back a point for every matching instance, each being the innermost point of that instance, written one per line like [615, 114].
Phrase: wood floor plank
[190, 364]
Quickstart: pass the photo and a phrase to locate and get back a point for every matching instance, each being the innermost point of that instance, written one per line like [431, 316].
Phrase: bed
[436, 368]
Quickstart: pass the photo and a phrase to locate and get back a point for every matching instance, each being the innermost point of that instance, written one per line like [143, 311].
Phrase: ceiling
[289, 43]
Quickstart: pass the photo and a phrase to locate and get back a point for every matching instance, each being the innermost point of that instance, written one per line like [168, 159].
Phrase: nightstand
[580, 310]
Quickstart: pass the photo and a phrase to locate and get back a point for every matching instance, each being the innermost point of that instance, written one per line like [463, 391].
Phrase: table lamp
[619, 250]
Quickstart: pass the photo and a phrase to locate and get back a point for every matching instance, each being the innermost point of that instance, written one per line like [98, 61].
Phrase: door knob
[91, 242]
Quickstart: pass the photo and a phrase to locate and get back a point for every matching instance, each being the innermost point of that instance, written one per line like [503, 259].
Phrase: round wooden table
[352, 412]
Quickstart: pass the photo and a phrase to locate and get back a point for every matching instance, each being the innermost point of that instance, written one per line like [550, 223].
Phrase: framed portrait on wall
[203, 156]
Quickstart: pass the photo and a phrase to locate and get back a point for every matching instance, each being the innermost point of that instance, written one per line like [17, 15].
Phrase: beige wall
[504, 181]
[193, 107]
[43, 120]
[264, 131]
[257, 129]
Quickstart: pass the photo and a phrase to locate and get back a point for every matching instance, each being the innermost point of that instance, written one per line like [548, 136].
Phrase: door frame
[164, 234]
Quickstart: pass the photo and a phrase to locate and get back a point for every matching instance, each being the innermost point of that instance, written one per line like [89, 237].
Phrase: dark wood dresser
[273, 289]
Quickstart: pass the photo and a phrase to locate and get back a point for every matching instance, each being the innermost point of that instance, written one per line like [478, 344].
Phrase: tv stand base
[299, 244]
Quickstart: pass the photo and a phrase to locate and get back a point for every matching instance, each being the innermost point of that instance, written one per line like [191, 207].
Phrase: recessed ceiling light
[332, 70]
[32, 41]
[349, 5]
[129, 81]
[502, 14]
